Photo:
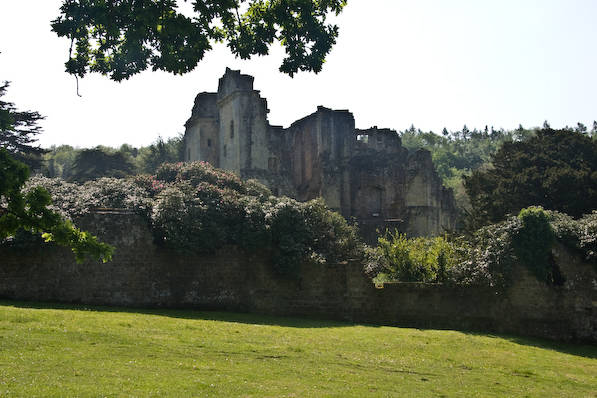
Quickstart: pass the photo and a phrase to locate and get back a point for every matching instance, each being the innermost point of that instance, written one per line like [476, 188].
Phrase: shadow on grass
[198, 314]
[582, 350]
[577, 349]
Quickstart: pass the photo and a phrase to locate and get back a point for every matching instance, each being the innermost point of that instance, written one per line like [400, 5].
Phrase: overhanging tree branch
[129, 37]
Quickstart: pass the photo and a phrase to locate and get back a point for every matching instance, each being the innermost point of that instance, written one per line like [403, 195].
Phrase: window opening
[273, 164]
[374, 201]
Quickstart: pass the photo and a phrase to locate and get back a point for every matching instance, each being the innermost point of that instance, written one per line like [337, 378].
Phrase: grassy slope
[56, 352]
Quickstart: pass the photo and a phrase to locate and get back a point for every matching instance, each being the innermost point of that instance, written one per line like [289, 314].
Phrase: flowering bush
[206, 217]
[579, 235]
[526, 239]
[199, 172]
[587, 237]
[196, 208]
[149, 183]
[488, 258]
[73, 200]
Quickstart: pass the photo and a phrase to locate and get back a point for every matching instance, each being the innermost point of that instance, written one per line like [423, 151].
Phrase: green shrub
[330, 235]
[533, 241]
[414, 259]
[490, 255]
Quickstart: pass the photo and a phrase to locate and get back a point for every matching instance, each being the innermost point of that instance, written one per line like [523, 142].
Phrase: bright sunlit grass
[56, 351]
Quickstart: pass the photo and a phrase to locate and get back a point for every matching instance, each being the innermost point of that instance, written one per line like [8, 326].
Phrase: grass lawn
[70, 351]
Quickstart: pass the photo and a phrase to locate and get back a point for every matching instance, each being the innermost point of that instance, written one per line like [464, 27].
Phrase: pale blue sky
[431, 63]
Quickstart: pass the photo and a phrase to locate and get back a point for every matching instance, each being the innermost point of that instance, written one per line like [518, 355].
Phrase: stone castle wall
[362, 174]
[145, 275]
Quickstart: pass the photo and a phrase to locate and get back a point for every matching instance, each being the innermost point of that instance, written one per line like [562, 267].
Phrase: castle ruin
[362, 174]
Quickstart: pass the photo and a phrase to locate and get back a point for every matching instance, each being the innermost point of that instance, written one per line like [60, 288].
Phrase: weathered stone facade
[365, 174]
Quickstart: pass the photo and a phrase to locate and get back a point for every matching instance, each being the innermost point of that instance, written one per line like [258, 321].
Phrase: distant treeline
[455, 154]
[83, 164]
[458, 153]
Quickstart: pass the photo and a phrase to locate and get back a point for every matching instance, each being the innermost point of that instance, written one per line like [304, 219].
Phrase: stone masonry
[143, 274]
[363, 174]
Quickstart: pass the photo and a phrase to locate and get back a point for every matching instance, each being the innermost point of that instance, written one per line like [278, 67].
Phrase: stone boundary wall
[145, 275]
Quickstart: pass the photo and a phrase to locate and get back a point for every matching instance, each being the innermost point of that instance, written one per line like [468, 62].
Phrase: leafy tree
[126, 37]
[102, 162]
[59, 161]
[461, 151]
[159, 152]
[83, 164]
[18, 130]
[30, 212]
[456, 154]
[129, 150]
[555, 169]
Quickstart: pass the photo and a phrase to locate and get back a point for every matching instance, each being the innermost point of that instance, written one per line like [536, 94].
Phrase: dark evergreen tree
[18, 131]
[29, 212]
[101, 162]
[555, 169]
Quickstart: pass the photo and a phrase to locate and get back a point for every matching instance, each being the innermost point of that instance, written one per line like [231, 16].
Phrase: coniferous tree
[30, 211]
[555, 169]
[18, 131]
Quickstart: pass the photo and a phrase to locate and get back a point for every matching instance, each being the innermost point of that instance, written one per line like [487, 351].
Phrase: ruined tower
[365, 174]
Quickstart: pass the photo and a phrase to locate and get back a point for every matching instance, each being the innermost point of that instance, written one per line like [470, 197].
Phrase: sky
[397, 63]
